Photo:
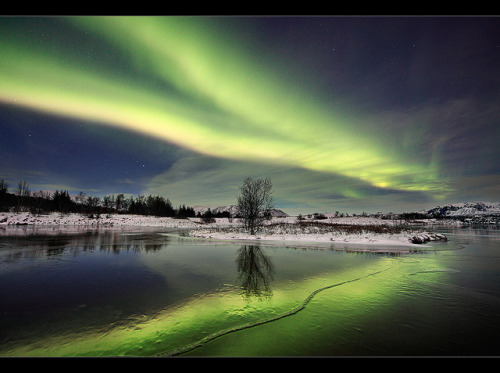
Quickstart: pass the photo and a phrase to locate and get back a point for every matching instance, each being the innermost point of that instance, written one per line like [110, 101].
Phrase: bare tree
[81, 198]
[92, 203]
[119, 200]
[255, 203]
[4, 186]
[23, 191]
[106, 203]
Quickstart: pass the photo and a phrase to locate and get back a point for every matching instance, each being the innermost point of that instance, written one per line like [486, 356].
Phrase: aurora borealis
[342, 113]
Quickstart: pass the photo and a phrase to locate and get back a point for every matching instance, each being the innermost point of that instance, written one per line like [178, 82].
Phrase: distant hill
[233, 209]
[465, 209]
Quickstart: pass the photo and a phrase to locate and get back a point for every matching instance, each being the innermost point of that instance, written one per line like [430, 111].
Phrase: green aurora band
[189, 85]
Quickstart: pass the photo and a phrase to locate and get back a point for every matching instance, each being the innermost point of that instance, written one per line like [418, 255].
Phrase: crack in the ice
[192, 346]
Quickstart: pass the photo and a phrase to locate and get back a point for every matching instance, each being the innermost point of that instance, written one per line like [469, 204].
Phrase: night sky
[344, 114]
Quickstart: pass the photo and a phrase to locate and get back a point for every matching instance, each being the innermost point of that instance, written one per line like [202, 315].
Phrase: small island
[355, 231]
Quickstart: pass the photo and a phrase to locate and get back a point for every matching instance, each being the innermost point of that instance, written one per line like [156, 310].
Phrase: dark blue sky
[76, 155]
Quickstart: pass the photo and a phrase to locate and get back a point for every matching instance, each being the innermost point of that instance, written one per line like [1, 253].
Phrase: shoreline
[409, 238]
[358, 231]
[9, 219]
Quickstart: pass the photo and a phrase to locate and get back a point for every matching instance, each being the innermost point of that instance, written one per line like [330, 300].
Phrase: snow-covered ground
[279, 229]
[328, 234]
[114, 220]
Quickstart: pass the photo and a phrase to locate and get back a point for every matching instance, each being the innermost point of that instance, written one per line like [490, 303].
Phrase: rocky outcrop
[425, 237]
[465, 209]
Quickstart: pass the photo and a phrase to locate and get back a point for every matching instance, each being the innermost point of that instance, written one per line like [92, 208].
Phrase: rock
[426, 237]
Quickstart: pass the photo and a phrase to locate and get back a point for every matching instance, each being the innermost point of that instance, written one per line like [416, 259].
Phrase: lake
[154, 292]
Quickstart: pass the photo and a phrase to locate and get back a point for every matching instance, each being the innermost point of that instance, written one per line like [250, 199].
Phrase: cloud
[206, 181]
[453, 136]
[477, 188]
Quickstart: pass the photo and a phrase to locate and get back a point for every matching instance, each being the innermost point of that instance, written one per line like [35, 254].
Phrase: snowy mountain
[466, 209]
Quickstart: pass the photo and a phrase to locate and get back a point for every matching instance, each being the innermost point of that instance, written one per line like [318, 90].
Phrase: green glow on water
[362, 292]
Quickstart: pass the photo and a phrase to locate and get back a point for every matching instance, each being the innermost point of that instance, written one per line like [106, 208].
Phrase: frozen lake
[151, 291]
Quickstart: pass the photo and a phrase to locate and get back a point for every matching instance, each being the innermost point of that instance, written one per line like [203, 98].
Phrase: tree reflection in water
[255, 272]
[54, 244]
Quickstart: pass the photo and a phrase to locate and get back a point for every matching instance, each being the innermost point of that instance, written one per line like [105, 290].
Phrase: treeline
[22, 199]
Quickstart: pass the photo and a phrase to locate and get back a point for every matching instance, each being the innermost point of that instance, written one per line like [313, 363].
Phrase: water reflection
[441, 301]
[255, 272]
[33, 243]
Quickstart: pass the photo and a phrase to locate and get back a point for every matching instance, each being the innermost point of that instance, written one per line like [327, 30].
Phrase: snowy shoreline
[112, 220]
[356, 233]
[351, 231]
[333, 238]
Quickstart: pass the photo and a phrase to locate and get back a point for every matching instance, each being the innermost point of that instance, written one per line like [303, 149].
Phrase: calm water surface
[151, 291]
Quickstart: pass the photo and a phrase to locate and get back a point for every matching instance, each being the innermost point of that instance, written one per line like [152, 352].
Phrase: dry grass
[321, 228]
